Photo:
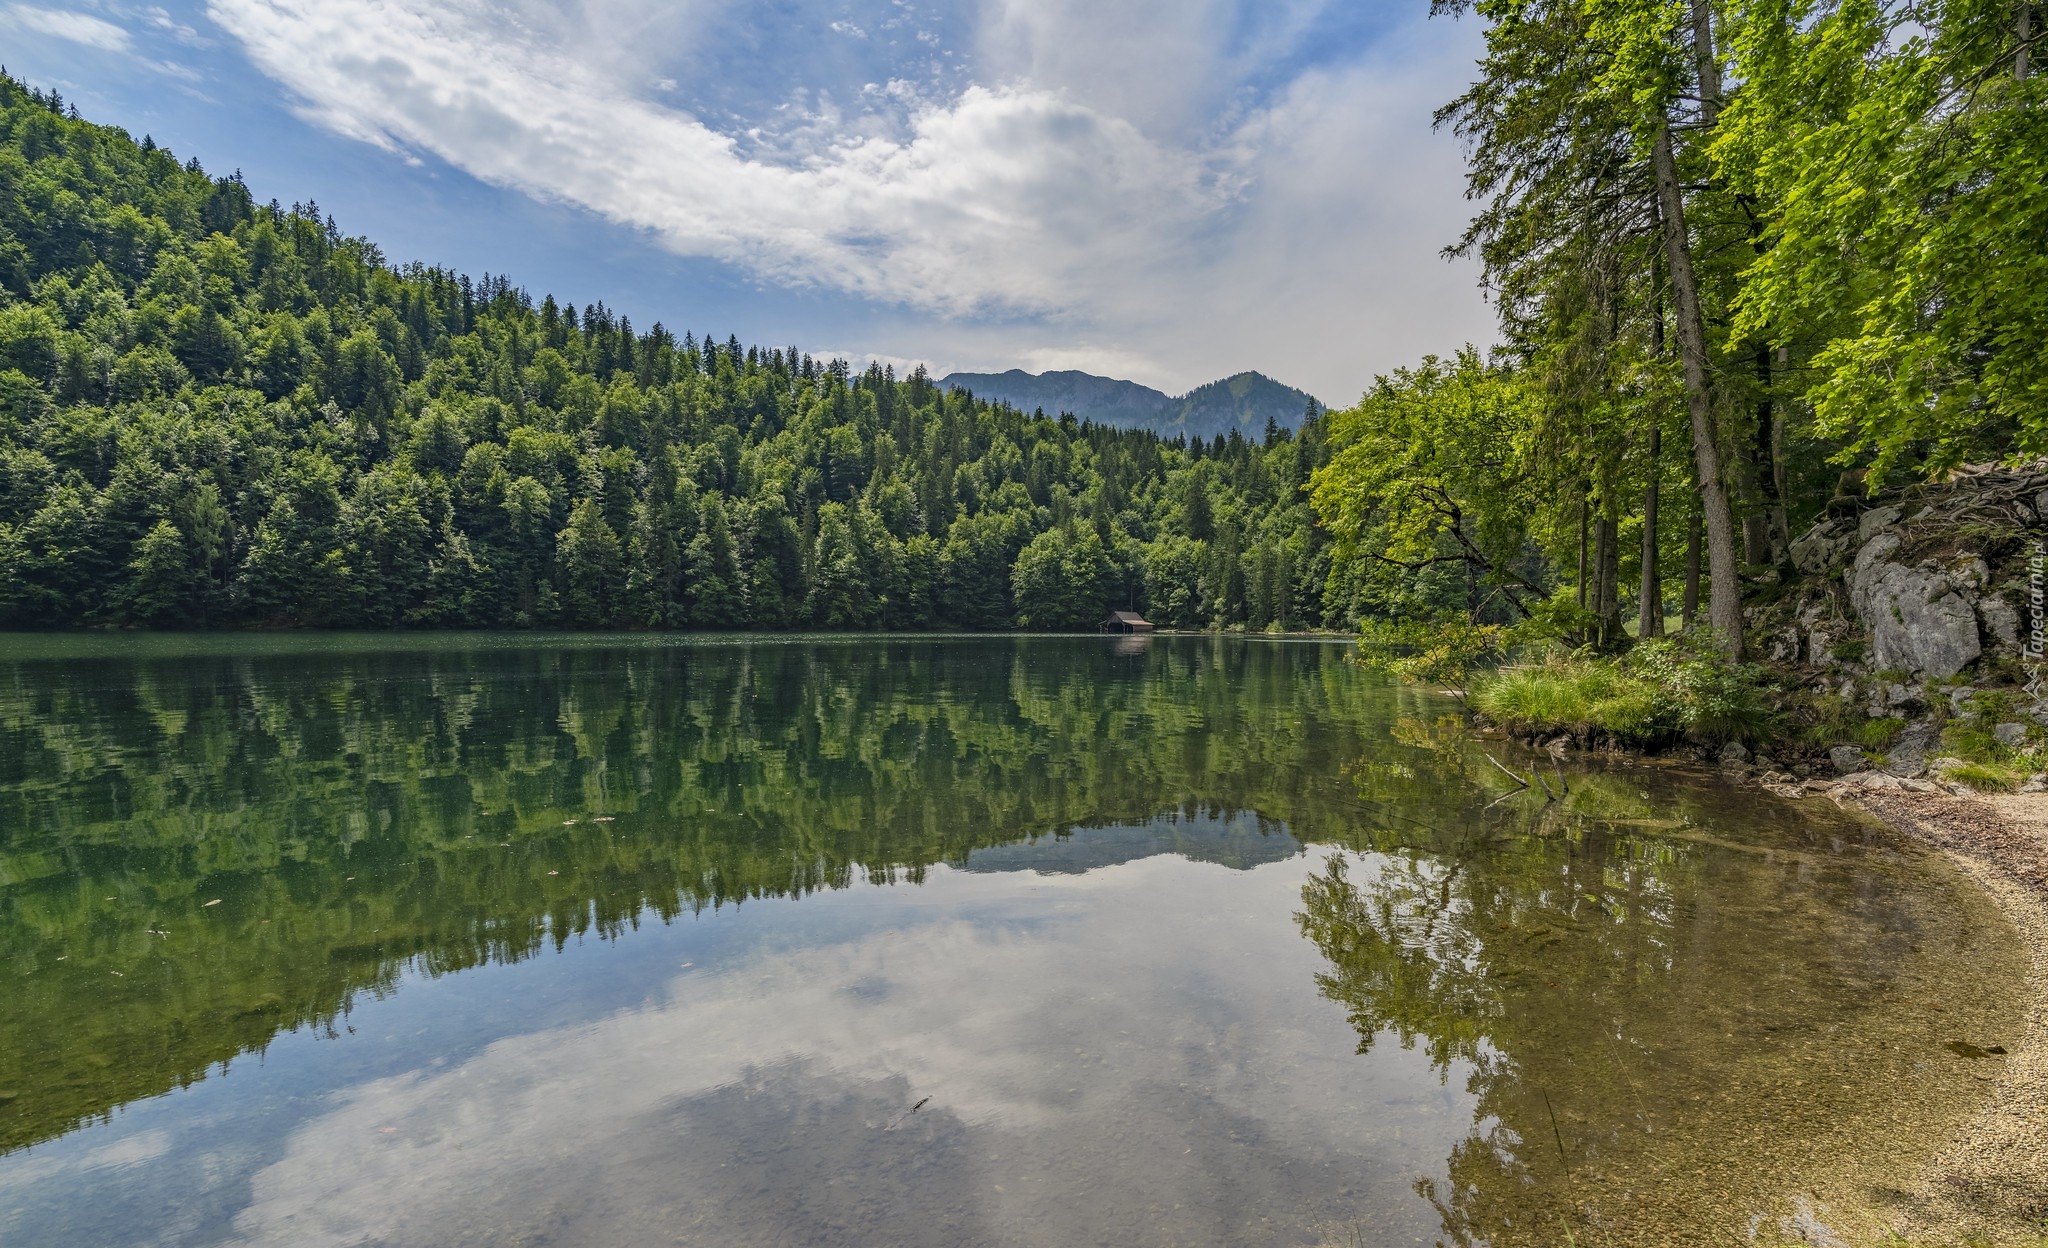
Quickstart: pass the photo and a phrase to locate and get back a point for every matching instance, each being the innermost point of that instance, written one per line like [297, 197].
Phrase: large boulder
[1823, 545]
[1916, 621]
[2001, 621]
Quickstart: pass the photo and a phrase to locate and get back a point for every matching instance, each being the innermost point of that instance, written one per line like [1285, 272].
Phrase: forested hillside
[218, 412]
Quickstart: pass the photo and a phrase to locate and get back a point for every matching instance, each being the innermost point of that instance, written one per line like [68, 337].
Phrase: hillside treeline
[221, 413]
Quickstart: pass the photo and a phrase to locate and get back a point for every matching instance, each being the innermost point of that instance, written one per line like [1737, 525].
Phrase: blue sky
[1165, 190]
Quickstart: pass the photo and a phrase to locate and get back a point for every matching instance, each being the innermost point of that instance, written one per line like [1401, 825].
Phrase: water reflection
[1020, 959]
[354, 813]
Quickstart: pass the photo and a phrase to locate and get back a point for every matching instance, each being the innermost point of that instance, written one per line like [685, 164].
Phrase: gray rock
[1958, 696]
[2010, 735]
[1908, 756]
[1822, 547]
[2035, 784]
[1734, 754]
[2001, 622]
[1916, 620]
[1870, 522]
[1783, 646]
[1906, 763]
[1847, 760]
[1820, 645]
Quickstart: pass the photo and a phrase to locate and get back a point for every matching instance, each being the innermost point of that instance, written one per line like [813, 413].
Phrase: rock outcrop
[1916, 621]
[1910, 606]
[1931, 581]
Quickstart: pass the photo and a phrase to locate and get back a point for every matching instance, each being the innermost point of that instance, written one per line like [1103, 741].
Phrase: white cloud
[1005, 198]
[76, 27]
[1327, 271]
[1110, 188]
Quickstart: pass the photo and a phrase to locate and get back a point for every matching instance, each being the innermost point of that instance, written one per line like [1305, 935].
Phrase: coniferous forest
[216, 412]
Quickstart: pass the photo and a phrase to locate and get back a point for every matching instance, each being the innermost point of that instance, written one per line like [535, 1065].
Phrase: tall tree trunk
[1724, 609]
[1774, 455]
[1651, 611]
[1705, 63]
[1758, 478]
[1584, 514]
[1607, 581]
[1770, 481]
[1689, 607]
[2026, 34]
[1650, 614]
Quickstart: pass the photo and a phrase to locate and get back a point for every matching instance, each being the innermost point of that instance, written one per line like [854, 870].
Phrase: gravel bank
[1990, 1183]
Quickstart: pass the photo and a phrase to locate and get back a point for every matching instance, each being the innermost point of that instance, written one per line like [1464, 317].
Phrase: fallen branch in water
[1504, 770]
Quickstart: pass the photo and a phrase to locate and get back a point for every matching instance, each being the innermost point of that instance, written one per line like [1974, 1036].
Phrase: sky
[1168, 191]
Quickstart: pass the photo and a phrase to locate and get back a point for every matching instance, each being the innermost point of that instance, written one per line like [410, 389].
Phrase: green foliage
[220, 413]
[1661, 691]
[1428, 472]
[1063, 581]
[1583, 697]
[1904, 164]
[1996, 777]
[1435, 654]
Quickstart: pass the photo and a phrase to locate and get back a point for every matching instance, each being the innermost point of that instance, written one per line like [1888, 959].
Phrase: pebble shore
[1990, 1183]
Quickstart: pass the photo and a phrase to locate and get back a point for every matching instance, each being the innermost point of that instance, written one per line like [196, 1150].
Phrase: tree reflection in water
[1653, 1012]
[1652, 991]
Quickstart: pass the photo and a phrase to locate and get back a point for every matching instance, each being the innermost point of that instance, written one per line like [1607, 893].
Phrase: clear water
[484, 940]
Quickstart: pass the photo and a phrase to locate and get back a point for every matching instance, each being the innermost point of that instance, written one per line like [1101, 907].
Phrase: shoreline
[1988, 1183]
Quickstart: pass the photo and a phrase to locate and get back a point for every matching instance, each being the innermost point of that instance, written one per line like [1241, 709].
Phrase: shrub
[1661, 691]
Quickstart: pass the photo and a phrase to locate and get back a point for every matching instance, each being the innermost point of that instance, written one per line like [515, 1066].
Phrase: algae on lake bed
[479, 950]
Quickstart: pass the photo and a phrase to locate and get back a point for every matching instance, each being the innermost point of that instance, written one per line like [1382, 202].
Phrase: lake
[1009, 941]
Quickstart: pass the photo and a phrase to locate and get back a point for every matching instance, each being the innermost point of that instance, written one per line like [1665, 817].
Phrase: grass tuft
[1661, 691]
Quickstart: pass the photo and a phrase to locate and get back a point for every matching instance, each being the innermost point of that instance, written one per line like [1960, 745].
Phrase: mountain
[1244, 402]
